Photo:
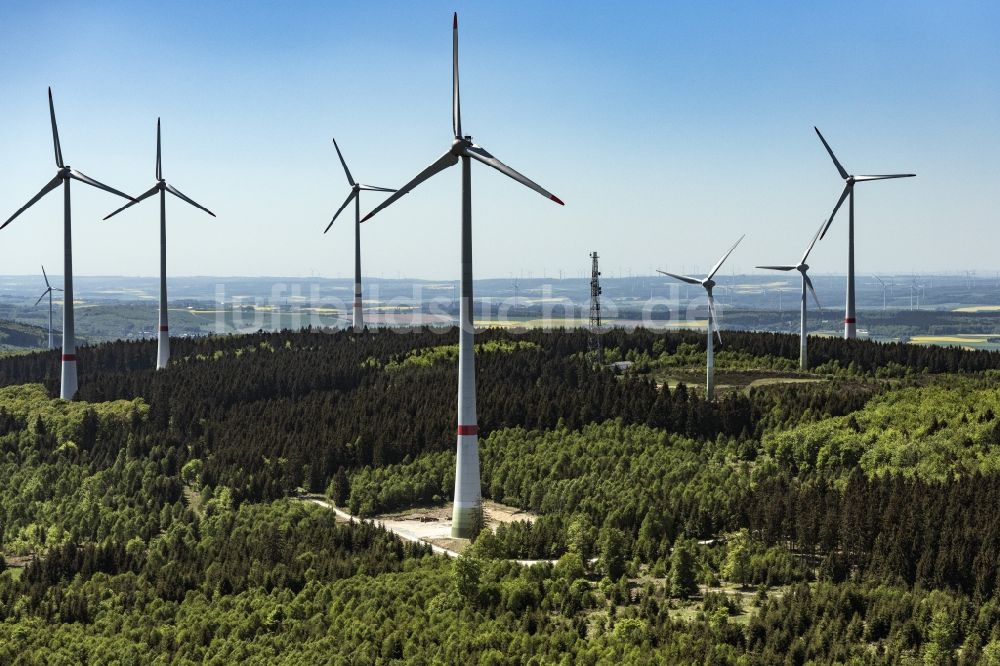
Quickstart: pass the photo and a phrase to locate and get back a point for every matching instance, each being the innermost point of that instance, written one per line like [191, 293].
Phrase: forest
[840, 515]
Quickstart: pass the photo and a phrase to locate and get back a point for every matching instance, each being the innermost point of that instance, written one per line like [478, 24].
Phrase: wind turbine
[356, 188]
[161, 186]
[803, 268]
[916, 287]
[468, 503]
[64, 175]
[48, 292]
[883, 290]
[713, 324]
[850, 321]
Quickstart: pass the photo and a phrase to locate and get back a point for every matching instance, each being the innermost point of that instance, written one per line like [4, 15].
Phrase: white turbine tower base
[162, 325]
[358, 319]
[161, 187]
[710, 348]
[466, 515]
[68, 383]
[467, 511]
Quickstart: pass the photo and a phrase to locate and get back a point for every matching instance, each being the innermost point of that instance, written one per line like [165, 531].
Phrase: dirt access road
[432, 526]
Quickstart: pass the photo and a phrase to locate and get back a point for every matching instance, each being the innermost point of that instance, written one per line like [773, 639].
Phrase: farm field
[969, 341]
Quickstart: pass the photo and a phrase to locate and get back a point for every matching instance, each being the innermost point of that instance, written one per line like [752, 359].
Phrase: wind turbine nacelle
[458, 145]
[708, 284]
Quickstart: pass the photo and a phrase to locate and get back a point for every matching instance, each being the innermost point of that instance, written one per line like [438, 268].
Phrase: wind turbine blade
[55, 132]
[46, 278]
[44, 294]
[809, 249]
[145, 195]
[717, 266]
[52, 184]
[836, 163]
[372, 188]
[879, 280]
[456, 102]
[715, 317]
[885, 176]
[840, 202]
[56, 289]
[809, 283]
[73, 173]
[177, 193]
[442, 163]
[346, 170]
[682, 278]
[350, 196]
[480, 154]
[159, 170]
[777, 268]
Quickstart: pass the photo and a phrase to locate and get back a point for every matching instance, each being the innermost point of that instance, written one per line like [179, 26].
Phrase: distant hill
[15, 337]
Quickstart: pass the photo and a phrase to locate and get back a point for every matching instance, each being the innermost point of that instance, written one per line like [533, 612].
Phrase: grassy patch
[449, 353]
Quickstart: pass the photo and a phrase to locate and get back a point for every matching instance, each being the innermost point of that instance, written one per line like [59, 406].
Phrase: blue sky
[668, 128]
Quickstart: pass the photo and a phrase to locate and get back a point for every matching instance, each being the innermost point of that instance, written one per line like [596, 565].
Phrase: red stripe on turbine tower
[68, 357]
[850, 320]
[468, 430]
[164, 328]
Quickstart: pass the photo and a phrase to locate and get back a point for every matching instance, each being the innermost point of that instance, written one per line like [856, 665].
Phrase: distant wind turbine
[358, 323]
[713, 325]
[162, 186]
[850, 320]
[48, 292]
[883, 290]
[468, 503]
[917, 288]
[803, 268]
[68, 383]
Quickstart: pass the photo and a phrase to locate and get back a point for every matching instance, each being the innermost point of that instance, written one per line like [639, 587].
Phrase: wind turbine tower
[162, 186]
[883, 290]
[64, 175]
[713, 325]
[850, 319]
[467, 513]
[358, 321]
[803, 268]
[48, 292]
